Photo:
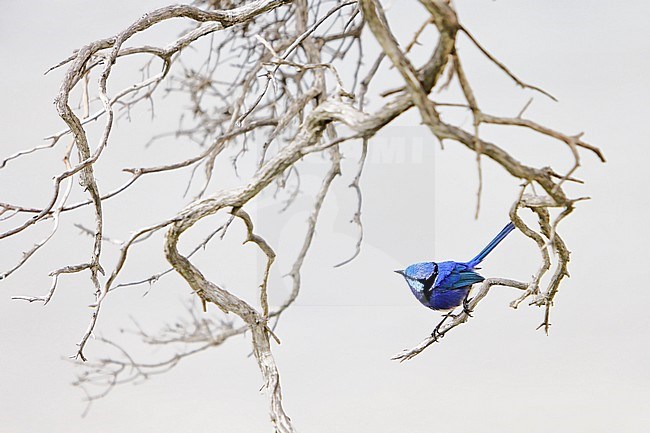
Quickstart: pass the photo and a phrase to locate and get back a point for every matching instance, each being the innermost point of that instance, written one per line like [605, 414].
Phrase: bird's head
[420, 278]
[419, 271]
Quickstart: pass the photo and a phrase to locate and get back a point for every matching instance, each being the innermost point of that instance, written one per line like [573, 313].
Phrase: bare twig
[356, 219]
[305, 103]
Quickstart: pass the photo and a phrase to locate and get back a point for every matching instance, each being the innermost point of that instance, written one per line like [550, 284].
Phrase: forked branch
[274, 87]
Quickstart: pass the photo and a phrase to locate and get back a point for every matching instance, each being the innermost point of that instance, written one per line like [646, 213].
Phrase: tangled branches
[298, 84]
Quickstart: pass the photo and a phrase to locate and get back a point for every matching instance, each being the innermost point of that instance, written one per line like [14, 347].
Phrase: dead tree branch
[280, 81]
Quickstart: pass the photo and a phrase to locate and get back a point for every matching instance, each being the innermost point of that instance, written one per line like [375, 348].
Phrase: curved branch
[281, 82]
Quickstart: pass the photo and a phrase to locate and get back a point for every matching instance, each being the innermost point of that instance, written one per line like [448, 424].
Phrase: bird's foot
[466, 308]
[436, 334]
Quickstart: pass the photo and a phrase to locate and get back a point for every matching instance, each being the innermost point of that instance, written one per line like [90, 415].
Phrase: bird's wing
[445, 270]
[467, 278]
[453, 275]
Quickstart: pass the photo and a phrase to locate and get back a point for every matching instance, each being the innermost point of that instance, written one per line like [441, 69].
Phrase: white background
[494, 374]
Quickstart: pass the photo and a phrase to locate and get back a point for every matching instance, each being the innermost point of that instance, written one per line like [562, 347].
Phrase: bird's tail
[493, 243]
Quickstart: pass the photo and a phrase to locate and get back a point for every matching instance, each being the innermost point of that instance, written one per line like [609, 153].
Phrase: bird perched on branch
[445, 285]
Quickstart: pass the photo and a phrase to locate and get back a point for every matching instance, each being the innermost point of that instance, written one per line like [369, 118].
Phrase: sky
[496, 373]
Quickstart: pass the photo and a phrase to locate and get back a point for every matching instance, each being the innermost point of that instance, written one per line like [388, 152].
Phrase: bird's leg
[466, 309]
[436, 334]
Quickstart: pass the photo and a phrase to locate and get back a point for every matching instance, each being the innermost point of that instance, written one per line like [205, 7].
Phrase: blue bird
[445, 285]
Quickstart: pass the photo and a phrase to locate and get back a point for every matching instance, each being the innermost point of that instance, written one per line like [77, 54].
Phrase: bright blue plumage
[445, 285]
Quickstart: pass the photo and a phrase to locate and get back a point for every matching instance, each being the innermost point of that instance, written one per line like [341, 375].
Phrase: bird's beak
[399, 271]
